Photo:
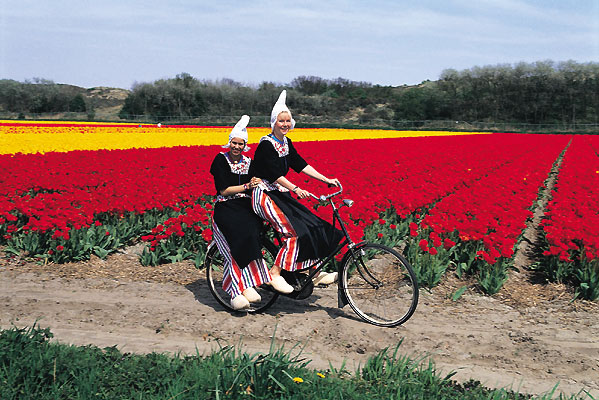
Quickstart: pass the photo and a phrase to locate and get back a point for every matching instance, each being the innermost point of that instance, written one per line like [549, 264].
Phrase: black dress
[233, 215]
[273, 159]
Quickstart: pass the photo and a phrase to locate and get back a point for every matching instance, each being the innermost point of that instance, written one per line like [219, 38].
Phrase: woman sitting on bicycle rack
[306, 237]
[236, 228]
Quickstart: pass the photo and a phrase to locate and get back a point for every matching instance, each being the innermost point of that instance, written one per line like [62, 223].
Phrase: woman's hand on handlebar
[302, 194]
[333, 182]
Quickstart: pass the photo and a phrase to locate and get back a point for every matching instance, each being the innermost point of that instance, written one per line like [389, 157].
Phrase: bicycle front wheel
[379, 284]
[214, 275]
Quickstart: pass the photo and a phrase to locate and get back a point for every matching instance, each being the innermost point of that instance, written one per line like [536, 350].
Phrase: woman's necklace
[232, 159]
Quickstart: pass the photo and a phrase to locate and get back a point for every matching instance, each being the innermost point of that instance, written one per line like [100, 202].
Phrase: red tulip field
[452, 202]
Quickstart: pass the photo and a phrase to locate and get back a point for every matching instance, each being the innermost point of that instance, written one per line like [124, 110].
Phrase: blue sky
[119, 42]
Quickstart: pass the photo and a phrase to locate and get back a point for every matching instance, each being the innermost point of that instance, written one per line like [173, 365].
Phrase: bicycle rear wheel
[379, 284]
[214, 276]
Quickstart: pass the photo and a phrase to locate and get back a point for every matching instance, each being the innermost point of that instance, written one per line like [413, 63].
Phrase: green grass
[32, 367]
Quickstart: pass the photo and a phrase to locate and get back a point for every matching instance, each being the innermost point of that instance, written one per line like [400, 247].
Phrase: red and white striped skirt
[268, 210]
[235, 279]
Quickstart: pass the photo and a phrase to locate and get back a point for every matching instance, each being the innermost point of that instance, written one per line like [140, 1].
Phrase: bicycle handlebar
[324, 198]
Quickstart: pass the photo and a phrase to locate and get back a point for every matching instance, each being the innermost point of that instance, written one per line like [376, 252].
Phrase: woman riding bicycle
[306, 237]
[236, 228]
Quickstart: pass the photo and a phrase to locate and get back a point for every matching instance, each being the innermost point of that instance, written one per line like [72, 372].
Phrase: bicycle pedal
[301, 283]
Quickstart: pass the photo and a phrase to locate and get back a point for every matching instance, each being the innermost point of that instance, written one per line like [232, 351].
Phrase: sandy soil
[527, 337]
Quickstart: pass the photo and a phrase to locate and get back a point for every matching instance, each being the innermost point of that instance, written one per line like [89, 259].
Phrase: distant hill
[107, 102]
[106, 96]
[49, 100]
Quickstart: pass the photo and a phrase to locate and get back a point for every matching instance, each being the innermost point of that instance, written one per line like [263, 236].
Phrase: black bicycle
[375, 280]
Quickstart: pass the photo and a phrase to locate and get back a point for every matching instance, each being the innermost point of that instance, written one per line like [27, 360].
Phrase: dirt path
[528, 338]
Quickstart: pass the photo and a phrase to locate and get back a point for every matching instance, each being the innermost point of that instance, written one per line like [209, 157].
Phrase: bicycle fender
[341, 298]
[211, 245]
[206, 254]
[346, 255]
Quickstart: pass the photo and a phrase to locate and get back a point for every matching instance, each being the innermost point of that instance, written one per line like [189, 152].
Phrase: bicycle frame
[346, 241]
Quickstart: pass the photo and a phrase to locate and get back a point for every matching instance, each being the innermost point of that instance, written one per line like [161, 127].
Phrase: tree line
[536, 93]
[541, 92]
[41, 96]
[186, 96]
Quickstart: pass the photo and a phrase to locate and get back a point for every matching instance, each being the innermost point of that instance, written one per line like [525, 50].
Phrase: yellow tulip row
[38, 138]
[50, 122]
